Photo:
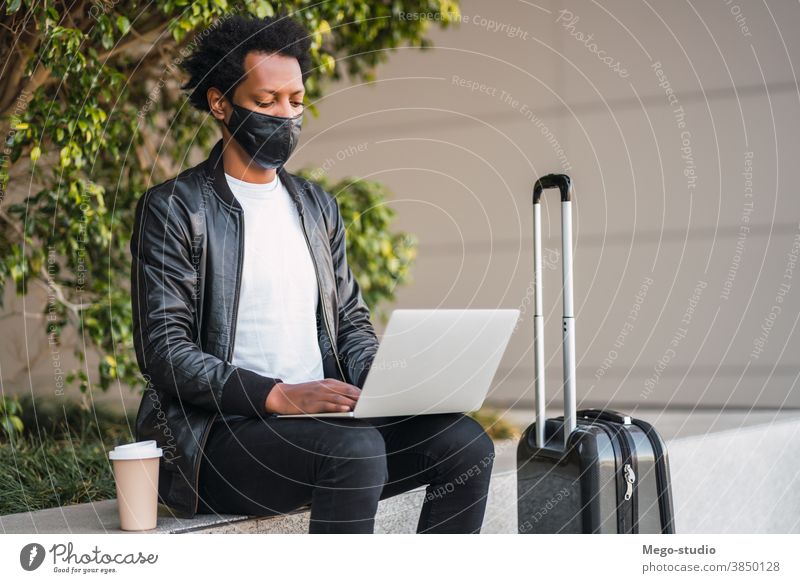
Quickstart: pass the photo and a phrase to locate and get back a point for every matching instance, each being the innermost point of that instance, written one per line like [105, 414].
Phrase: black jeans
[343, 466]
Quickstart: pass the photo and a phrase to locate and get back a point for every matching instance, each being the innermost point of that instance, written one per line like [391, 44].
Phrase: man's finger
[335, 396]
[343, 388]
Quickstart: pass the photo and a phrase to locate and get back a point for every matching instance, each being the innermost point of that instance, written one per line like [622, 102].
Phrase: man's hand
[327, 395]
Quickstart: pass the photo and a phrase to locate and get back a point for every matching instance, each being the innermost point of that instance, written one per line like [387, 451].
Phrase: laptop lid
[436, 361]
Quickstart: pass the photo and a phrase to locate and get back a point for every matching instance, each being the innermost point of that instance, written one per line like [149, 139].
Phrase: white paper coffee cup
[136, 478]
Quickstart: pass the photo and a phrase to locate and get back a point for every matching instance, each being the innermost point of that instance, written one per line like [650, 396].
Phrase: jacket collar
[215, 172]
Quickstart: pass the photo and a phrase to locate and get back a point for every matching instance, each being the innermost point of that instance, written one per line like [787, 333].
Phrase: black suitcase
[588, 471]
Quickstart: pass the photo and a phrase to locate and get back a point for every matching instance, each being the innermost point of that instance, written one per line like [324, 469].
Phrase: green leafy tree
[92, 115]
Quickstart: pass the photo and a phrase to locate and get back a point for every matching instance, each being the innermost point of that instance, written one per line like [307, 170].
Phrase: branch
[59, 292]
[23, 98]
[4, 216]
[136, 40]
[23, 51]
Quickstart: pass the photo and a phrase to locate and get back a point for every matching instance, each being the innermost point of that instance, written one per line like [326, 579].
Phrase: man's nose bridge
[284, 107]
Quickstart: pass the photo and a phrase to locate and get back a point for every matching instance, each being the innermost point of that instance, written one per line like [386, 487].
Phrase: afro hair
[218, 60]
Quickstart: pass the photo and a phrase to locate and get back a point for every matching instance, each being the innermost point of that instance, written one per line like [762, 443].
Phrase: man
[244, 307]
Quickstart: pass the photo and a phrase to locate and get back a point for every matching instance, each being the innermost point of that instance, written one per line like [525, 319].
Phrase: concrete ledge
[398, 514]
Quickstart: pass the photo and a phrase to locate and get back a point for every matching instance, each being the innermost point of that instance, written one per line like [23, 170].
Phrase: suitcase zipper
[630, 478]
[631, 492]
[625, 503]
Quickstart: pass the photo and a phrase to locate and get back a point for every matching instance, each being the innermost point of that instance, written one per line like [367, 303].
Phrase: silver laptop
[433, 361]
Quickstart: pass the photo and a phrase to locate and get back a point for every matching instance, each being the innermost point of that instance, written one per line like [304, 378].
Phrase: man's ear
[216, 103]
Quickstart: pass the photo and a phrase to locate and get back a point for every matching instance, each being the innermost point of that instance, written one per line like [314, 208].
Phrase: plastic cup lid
[136, 451]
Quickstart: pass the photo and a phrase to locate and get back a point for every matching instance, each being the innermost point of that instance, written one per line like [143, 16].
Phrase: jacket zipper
[207, 429]
[319, 286]
[238, 289]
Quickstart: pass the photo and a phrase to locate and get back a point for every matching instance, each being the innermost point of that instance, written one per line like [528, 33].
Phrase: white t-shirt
[276, 330]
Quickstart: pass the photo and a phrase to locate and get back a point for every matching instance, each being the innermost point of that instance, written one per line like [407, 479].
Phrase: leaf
[107, 40]
[328, 63]
[123, 24]
[264, 9]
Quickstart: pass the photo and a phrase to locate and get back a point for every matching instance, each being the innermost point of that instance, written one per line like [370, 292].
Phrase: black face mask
[268, 139]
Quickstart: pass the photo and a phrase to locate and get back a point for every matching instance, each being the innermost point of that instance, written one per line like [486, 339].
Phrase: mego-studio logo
[31, 556]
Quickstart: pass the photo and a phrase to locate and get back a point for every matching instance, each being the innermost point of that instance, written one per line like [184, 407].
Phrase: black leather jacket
[187, 248]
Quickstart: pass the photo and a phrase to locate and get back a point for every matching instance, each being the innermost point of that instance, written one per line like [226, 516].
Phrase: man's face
[273, 84]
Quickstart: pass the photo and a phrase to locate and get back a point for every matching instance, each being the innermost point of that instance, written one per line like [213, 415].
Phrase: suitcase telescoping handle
[564, 184]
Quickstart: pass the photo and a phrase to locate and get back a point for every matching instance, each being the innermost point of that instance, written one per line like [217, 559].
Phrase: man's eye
[297, 104]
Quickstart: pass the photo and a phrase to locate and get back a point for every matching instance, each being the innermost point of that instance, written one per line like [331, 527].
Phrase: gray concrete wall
[462, 163]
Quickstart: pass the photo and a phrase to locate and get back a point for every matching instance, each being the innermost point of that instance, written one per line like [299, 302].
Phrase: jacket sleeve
[165, 321]
[356, 341]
